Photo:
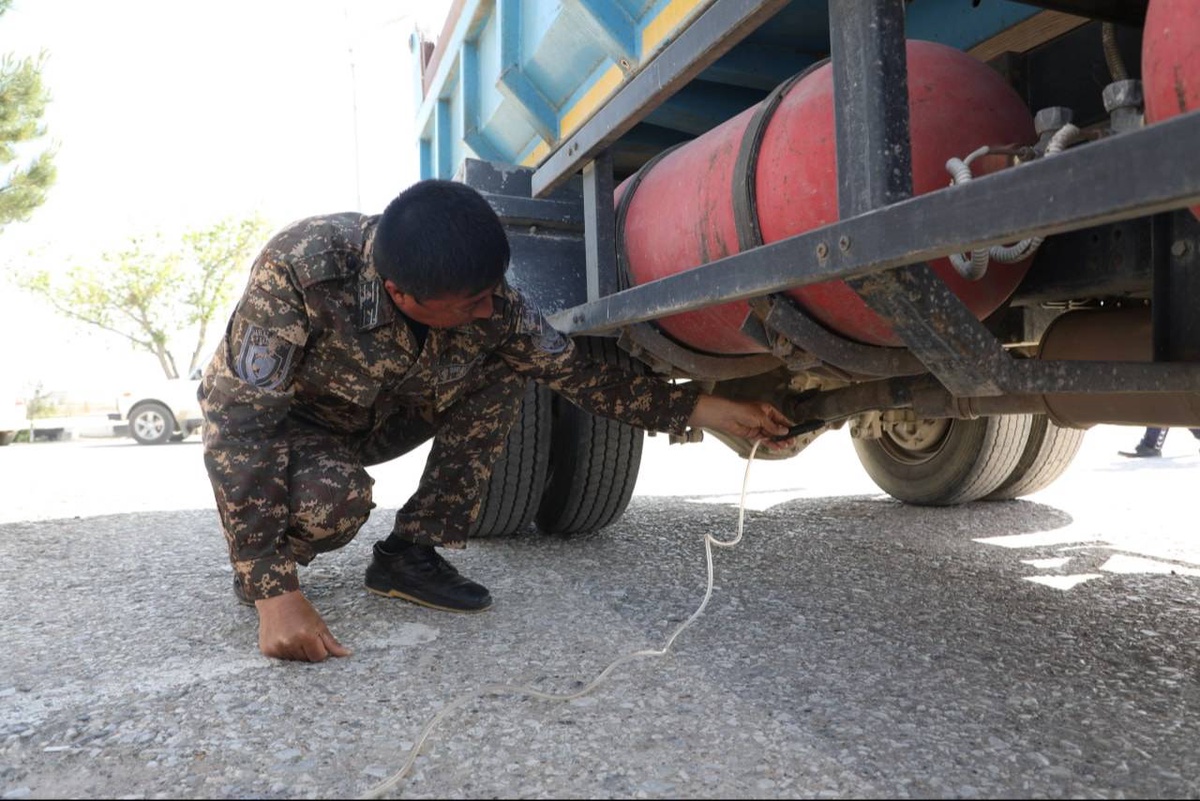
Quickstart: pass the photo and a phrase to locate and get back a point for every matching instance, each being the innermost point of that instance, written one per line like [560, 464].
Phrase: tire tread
[510, 498]
[594, 462]
[978, 456]
[1047, 454]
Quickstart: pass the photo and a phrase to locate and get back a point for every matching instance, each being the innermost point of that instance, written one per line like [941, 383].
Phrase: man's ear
[399, 298]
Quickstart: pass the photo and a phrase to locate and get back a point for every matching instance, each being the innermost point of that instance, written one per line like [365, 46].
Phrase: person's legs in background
[1151, 444]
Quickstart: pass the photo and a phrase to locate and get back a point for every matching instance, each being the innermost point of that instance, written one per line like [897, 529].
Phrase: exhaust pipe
[1117, 335]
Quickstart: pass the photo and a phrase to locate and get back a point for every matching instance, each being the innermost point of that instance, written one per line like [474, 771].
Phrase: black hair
[440, 238]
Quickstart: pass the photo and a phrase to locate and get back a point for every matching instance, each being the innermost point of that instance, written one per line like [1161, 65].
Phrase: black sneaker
[240, 593]
[1142, 452]
[418, 573]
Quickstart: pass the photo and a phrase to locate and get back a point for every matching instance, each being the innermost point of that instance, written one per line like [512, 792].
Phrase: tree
[22, 102]
[220, 254]
[151, 293]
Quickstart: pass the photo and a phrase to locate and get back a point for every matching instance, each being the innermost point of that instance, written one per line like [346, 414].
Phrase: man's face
[446, 311]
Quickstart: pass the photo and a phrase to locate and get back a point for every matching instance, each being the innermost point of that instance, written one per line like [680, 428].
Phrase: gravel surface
[854, 646]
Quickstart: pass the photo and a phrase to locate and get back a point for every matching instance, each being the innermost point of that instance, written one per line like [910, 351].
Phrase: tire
[510, 498]
[594, 461]
[1048, 453]
[7, 437]
[945, 462]
[151, 424]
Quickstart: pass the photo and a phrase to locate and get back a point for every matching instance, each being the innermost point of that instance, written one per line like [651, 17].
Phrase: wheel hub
[149, 425]
[916, 441]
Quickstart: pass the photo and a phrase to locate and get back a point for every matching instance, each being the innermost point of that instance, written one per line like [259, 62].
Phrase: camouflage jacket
[315, 340]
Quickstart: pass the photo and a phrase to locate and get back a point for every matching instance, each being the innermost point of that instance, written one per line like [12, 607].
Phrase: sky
[170, 115]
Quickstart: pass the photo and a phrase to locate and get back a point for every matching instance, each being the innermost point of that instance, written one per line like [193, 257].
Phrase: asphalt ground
[853, 646]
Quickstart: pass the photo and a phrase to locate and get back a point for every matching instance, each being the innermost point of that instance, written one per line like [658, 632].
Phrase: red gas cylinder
[685, 208]
[1171, 60]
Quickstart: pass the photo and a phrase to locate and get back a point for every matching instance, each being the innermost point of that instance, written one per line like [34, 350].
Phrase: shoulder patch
[263, 360]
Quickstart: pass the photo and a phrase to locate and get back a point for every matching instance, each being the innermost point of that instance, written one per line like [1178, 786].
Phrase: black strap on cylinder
[649, 335]
[745, 169]
[830, 347]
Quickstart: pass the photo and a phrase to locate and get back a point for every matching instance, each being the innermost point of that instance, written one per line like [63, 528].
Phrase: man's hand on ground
[290, 628]
[749, 419]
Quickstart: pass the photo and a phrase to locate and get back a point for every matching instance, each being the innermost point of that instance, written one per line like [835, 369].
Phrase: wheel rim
[916, 442]
[149, 425]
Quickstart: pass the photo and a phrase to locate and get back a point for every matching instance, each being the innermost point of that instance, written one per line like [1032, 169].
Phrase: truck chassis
[966, 409]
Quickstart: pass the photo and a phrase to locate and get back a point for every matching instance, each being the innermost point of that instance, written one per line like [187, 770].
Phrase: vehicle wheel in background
[1048, 453]
[151, 424]
[511, 496]
[943, 462]
[594, 461]
[6, 437]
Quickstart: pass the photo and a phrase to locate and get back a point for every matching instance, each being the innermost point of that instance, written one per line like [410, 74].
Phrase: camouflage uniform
[318, 375]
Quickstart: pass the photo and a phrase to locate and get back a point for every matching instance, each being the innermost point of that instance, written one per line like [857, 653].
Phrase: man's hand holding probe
[749, 419]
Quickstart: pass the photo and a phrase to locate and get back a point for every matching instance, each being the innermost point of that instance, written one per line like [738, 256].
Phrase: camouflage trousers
[330, 491]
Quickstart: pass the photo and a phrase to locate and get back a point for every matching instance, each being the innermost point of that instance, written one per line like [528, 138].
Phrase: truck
[966, 231]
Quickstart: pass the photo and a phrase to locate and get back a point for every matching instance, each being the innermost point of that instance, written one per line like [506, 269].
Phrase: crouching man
[359, 338]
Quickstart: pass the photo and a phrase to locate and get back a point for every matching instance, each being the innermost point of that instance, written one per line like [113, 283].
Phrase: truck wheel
[510, 498]
[945, 462]
[593, 460]
[151, 424]
[1048, 453]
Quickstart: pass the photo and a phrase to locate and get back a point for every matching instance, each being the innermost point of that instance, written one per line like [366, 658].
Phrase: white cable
[975, 267]
[508, 689]
[1011, 254]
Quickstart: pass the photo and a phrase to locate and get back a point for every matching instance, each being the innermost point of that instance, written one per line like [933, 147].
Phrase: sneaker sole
[404, 597]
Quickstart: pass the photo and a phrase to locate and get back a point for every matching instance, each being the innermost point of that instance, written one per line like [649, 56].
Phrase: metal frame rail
[885, 236]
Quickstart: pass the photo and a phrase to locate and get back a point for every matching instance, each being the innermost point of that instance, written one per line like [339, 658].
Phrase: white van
[164, 411]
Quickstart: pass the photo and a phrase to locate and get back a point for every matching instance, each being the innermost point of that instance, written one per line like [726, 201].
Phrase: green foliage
[219, 254]
[41, 404]
[152, 293]
[23, 101]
